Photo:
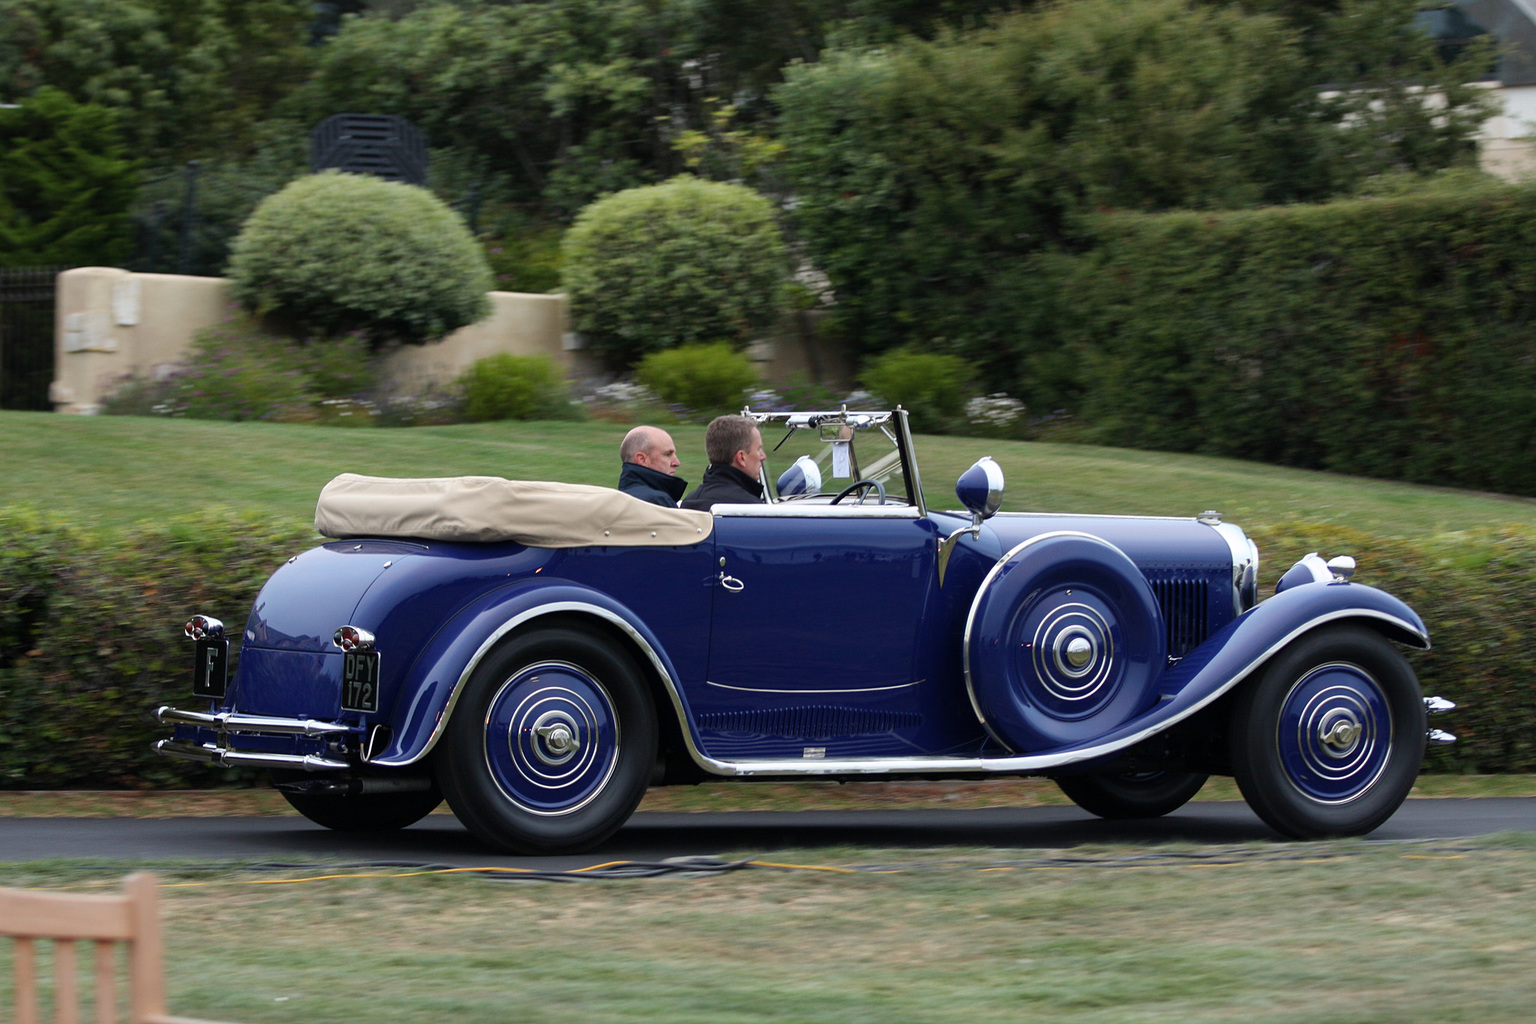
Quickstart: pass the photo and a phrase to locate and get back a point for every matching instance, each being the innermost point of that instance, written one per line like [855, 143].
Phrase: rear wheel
[1133, 794]
[1329, 739]
[360, 812]
[551, 745]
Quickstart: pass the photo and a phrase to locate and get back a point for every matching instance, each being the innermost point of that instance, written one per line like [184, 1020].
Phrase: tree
[933, 178]
[65, 184]
[190, 76]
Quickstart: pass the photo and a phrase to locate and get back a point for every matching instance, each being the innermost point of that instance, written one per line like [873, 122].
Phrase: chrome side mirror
[980, 489]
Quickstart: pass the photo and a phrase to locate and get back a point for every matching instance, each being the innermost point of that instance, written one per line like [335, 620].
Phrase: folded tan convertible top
[487, 508]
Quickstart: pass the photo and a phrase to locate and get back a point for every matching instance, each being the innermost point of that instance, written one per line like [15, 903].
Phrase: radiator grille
[811, 723]
[1185, 604]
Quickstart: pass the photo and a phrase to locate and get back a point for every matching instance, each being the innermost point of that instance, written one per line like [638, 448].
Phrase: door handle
[731, 583]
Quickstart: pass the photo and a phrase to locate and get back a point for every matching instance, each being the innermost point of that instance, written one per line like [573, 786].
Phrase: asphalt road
[440, 840]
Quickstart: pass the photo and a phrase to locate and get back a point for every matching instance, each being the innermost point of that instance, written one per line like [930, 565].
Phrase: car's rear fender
[436, 679]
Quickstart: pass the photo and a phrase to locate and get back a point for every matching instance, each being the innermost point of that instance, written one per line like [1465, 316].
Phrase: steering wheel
[861, 485]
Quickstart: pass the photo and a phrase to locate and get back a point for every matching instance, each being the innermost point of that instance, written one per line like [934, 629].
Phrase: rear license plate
[360, 681]
[210, 667]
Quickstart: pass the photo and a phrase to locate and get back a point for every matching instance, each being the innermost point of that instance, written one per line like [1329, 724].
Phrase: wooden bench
[132, 918]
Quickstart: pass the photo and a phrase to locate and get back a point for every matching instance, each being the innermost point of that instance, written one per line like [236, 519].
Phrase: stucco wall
[1506, 139]
[113, 323]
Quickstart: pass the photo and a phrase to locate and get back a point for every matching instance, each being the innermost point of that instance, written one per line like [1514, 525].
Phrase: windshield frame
[892, 423]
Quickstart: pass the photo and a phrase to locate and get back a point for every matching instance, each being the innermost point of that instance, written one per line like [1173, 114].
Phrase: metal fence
[26, 336]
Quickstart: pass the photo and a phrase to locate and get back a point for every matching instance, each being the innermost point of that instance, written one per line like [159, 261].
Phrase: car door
[818, 601]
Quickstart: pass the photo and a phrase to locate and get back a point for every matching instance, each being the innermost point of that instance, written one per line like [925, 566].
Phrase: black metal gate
[26, 336]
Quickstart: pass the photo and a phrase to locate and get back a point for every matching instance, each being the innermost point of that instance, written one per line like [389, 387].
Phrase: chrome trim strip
[1088, 515]
[230, 721]
[970, 617]
[527, 616]
[1244, 558]
[909, 462]
[225, 758]
[849, 689]
[815, 510]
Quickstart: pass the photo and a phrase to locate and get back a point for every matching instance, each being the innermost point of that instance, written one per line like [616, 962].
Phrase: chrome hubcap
[1079, 652]
[558, 738]
[1338, 732]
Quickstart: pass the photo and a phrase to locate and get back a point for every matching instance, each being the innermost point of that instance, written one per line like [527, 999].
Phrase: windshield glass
[815, 456]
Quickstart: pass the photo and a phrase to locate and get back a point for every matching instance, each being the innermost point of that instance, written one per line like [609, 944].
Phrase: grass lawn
[115, 471]
[1305, 933]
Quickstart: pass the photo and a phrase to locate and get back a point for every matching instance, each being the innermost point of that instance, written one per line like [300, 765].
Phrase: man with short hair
[734, 447]
[648, 467]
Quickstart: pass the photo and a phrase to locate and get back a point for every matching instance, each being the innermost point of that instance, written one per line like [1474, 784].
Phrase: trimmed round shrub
[933, 388]
[508, 387]
[704, 379]
[336, 252]
[684, 262]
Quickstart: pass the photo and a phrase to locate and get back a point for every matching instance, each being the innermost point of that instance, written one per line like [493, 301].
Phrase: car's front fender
[436, 679]
[1243, 647]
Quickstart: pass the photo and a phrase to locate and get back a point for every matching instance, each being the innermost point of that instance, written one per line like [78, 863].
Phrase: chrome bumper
[228, 723]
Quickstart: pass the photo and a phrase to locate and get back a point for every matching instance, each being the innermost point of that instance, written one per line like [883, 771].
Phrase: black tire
[1329, 738]
[1133, 794]
[363, 812]
[551, 745]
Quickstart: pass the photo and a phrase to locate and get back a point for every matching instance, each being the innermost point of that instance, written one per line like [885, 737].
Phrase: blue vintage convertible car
[540, 653]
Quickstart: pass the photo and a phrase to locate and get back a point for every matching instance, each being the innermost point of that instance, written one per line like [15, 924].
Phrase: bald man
[649, 467]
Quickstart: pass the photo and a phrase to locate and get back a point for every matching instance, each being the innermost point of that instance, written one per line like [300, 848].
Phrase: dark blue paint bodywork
[841, 652]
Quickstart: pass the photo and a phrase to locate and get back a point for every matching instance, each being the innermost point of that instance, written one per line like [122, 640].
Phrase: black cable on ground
[705, 867]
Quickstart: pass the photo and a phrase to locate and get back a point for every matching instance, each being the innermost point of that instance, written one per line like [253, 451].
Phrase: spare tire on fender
[1065, 641]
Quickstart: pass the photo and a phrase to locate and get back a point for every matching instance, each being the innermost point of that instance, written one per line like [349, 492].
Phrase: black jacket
[724, 484]
[651, 485]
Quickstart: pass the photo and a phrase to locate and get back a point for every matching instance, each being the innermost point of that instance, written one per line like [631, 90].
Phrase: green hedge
[1388, 337]
[90, 635]
[90, 639]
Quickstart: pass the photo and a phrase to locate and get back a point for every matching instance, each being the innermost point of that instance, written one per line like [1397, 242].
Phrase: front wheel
[1133, 794]
[1329, 739]
[551, 745]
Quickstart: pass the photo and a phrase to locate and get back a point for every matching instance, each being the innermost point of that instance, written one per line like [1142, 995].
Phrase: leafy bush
[236, 371]
[702, 379]
[1386, 337]
[90, 639]
[682, 263]
[932, 387]
[337, 252]
[508, 387]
